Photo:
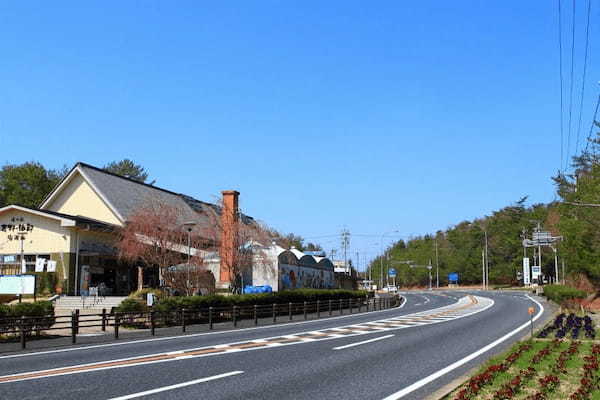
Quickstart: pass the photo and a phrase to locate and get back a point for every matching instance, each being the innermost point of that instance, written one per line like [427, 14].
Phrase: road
[407, 352]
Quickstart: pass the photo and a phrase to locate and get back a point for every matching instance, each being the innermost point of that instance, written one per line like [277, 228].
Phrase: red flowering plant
[475, 384]
[548, 383]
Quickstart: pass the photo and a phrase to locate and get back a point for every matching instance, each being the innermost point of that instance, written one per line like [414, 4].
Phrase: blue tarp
[258, 289]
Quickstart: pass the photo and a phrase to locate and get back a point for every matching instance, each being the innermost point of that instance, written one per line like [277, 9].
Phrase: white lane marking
[227, 349]
[177, 386]
[363, 342]
[282, 325]
[417, 385]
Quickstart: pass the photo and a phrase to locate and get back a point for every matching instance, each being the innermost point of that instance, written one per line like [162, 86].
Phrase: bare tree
[154, 237]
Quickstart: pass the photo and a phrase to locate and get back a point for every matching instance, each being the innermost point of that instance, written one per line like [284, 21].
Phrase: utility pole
[387, 269]
[482, 269]
[429, 268]
[437, 266]
[539, 229]
[357, 262]
[345, 243]
[555, 264]
[563, 272]
[487, 263]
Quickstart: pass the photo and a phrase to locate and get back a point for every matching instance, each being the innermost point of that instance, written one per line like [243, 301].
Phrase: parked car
[390, 289]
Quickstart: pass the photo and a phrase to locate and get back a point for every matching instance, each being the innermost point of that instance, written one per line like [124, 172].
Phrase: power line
[592, 126]
[560, 63]
[571, 85]
[587, 41]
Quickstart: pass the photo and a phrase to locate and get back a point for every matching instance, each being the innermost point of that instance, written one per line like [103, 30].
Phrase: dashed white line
[363, 342]
[177, 386]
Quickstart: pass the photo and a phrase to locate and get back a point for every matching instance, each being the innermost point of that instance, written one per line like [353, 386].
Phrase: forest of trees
[575, 217]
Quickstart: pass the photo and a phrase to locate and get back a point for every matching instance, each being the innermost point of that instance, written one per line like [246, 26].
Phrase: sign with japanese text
[17, 229]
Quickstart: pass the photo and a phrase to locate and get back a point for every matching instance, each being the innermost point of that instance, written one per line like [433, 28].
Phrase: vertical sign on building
[526, 276]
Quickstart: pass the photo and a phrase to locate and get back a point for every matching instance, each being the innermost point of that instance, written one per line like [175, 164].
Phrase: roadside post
[274, 313]
[117, 321]
[73, 328]
[255, 315]
[531, 310]
[318, 309]
[23, 333]
[150, 303]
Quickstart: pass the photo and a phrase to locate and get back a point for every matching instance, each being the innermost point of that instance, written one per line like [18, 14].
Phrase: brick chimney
[229, 226]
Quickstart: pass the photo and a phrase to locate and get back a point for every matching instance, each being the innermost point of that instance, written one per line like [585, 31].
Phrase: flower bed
[542, 369]
[571, 326]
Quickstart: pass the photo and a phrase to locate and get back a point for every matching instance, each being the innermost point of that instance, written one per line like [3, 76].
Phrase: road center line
[177, 386]
[363, 342]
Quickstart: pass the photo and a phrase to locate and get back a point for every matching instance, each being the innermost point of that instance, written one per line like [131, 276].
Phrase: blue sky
[408, 116]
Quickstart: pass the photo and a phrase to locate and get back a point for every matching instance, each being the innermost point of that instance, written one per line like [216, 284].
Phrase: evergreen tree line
[575, 216]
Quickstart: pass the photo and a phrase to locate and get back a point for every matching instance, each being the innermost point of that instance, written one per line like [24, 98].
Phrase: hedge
[560, 293]
[42, 309]
[168, 304]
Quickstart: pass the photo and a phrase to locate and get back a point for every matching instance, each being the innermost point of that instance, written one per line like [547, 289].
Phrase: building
[76, 227]
[73, 232]
[289, 269]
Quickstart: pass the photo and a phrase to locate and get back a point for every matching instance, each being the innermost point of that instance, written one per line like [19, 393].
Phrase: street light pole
[189, 226]
[487, 263]
[381, 259]
[437, 266]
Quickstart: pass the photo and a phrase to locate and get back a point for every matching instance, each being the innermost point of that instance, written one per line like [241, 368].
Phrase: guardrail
[27, 326]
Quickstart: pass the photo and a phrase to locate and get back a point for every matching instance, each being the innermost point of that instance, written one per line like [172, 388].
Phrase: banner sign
[40, 263]
[17, 284]
[536, 271]
[526, 276]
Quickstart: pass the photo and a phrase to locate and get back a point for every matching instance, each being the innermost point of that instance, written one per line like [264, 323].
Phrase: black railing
[25, 327]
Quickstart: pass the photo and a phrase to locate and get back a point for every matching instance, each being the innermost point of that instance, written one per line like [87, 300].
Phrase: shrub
[560, 293]
[132, 305]
[169, 304]
[141, 294]
[40, 315]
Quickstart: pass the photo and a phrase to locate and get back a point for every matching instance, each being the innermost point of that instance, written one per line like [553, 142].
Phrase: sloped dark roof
[127, 195]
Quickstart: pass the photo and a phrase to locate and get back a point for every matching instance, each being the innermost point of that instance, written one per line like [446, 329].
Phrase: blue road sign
[453, 277]
[392, 272]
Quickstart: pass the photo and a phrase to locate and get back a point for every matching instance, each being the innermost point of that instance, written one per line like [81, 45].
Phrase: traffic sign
[392, 272]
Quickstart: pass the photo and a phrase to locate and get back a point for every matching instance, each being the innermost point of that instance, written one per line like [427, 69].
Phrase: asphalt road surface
[407, 352]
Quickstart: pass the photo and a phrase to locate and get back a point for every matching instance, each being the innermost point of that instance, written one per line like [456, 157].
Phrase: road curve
[372, 356]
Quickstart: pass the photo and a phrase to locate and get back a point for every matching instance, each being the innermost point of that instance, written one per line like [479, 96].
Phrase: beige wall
[46, 237]
[78, 198]
[89, 240]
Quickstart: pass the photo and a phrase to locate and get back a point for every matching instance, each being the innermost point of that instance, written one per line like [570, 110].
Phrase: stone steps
[67, 304]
